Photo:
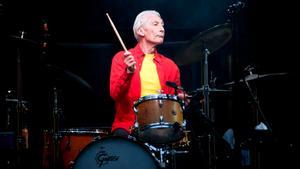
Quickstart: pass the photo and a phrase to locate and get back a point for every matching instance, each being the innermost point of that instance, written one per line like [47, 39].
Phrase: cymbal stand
[21, 131]
[56, 112]
[259, 125]
[255, 99]
[206, 112]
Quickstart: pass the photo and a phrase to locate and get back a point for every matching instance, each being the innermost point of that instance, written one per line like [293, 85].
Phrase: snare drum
[159, 118]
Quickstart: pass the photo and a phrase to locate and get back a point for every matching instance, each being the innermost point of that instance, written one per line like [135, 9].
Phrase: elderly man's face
[153, 30]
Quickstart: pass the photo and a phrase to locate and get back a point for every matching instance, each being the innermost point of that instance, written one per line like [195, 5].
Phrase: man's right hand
[130, 62]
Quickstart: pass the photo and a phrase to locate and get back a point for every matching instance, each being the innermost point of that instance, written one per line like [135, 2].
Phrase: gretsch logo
[102, 157]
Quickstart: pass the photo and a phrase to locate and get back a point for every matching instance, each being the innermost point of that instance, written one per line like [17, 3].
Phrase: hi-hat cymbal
[211, 39]
[256, 77]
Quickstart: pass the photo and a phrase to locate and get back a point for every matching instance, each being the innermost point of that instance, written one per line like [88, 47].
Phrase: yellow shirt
[150, 83]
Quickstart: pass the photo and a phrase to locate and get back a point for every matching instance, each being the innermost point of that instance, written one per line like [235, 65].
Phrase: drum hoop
[157, 96]
[156, 125]
[84, 131]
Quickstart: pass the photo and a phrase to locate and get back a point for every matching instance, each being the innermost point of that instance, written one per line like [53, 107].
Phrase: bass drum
[115, 153]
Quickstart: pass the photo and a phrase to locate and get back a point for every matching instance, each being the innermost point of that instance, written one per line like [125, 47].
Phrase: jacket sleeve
[177, 76]
[119, 78]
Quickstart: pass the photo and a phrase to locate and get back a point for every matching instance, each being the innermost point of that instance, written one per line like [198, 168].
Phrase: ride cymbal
[211, 39]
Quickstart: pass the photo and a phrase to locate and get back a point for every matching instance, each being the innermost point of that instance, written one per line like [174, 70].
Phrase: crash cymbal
[211, 39]
[256, 77]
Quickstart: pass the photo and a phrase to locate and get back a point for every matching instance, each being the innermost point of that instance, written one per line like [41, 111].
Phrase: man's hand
[185, 97]
[130, 62]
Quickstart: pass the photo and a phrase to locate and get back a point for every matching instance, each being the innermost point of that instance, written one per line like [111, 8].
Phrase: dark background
[81, 44]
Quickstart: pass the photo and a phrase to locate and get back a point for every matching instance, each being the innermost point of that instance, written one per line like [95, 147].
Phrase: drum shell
[159, 119]
[150, 112]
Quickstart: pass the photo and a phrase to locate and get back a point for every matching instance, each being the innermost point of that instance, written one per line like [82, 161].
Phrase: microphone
[174, 85]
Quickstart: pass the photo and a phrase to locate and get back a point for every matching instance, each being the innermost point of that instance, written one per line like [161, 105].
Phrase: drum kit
[160, 130]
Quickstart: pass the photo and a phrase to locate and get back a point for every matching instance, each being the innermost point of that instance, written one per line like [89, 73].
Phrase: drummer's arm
[119, 78]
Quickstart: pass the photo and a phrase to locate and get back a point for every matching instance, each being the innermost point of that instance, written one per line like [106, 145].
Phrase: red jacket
[125, 88]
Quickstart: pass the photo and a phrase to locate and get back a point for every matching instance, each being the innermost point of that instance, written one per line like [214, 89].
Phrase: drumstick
[115, 29]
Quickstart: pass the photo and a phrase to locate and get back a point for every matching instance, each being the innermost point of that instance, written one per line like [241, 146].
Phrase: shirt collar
[139, 53]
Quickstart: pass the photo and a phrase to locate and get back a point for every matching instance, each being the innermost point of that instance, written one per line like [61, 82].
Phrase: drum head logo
[102, 157]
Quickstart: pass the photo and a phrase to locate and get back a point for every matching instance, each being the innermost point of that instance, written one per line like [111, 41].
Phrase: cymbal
[256, 77]
[212, 90]
[199, 90]
[212, 39]
[21, 41]
[60, 72]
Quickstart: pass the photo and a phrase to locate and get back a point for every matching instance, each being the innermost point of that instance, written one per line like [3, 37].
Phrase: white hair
[141, 19]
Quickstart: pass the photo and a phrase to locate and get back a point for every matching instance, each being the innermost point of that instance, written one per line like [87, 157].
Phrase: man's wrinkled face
[153, 30]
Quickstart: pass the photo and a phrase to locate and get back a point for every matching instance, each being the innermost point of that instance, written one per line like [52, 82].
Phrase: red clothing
[125, 88]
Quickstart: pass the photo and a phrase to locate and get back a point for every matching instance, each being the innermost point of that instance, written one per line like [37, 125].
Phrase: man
[140, 71]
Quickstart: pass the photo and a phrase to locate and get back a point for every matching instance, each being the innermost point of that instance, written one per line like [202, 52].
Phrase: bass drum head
[115, 153]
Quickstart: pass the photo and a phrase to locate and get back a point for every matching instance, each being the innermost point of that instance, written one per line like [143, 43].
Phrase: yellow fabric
[150, 83]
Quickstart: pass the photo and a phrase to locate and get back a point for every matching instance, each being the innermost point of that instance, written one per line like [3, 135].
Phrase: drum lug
[160, 103]
[161, 119]
[135, 110]
[136, 124]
